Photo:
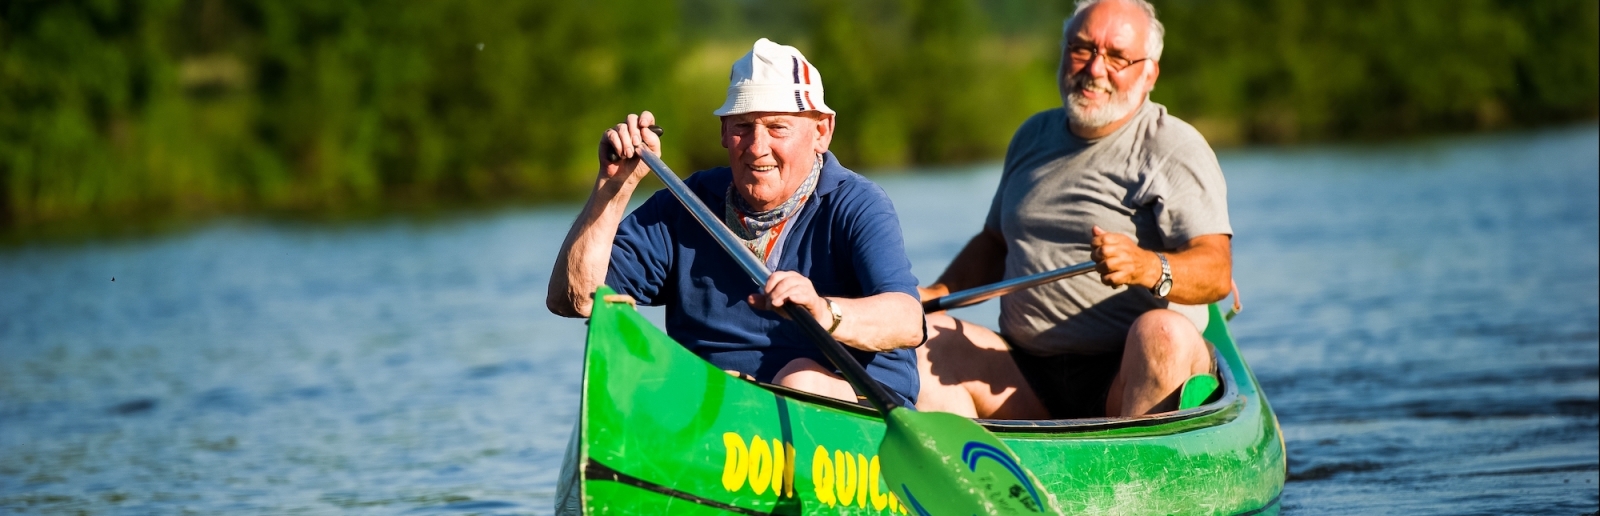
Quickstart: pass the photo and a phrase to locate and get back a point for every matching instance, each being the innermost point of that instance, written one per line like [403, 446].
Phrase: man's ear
[1155, 73]
[824, 134]
[726, 142]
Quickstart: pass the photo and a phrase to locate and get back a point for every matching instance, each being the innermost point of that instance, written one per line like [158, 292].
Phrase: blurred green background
[120, 110]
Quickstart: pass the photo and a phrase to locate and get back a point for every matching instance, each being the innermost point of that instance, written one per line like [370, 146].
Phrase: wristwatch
[1164, 286]
[837, 315]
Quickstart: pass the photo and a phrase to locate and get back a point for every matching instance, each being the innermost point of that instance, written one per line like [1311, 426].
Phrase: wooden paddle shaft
[875, 392]
[977, 295]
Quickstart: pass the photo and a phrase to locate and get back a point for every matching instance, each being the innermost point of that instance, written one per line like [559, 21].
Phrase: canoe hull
[663, 431]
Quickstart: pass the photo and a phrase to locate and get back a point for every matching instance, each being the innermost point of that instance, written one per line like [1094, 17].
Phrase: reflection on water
[1423, 318]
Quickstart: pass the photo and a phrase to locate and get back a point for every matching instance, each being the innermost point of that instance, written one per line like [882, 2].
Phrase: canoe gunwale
[1230, 397]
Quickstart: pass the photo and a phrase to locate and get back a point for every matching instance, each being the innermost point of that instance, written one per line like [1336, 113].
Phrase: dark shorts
[1070, 386]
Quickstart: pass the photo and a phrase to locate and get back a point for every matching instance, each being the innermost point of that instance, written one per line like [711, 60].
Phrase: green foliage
[1291, 70]
[113, 109]
[921, 82]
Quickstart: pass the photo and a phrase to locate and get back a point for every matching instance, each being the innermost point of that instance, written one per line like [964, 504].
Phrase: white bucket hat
[775, 78]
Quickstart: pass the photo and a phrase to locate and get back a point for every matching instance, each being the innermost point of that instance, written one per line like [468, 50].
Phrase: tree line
[114, 109]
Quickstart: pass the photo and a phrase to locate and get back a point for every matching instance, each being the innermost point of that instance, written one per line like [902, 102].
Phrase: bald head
[1151, 29]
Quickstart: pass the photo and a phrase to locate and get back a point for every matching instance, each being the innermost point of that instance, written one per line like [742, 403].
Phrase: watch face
[1163, 288]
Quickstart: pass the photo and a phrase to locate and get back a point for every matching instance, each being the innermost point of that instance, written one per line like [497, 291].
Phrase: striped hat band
[773, 78]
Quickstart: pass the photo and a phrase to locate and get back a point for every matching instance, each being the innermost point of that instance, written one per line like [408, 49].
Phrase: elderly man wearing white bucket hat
[831, 236]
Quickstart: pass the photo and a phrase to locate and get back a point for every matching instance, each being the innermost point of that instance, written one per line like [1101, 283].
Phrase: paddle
[977, 295]
[936, 461]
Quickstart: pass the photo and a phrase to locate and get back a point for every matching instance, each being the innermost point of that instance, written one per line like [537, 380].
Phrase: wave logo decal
[975, 451]
[912, 501]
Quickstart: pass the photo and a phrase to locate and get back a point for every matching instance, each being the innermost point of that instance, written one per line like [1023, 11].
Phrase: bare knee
[941, 330]
[804, 374]
[1163, 323]
[1163, 350]
[1165, 339]
[947, 364]
[799, 373]
[958, 351]
[947, 335]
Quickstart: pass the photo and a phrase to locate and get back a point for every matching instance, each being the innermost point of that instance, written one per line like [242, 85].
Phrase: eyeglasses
[1081, 54]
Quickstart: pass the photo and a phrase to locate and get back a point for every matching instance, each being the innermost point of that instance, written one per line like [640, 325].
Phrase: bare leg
[967, 370]
[1163, 350]
[807, 375]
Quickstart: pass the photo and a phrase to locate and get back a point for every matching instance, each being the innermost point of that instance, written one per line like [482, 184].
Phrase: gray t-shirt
[1155, 179]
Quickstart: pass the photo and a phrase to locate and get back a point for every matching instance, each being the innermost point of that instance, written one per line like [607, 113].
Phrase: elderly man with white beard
[1110, 177]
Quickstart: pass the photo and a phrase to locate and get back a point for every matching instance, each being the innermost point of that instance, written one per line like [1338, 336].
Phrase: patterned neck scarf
[760, 229]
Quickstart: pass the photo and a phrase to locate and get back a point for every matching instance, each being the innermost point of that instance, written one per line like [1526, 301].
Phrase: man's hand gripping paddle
[937, 463]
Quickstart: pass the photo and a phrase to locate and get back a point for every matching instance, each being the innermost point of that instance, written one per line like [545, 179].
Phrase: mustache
[1091, 83]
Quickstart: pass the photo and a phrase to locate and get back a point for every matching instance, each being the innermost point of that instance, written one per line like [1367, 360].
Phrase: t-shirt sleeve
[641, 254]
[880, 252]
[1191, 197]
[1019, 142]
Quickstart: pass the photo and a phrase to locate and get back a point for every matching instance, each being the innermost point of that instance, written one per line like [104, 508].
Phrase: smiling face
[1099, 98]
[772, 153]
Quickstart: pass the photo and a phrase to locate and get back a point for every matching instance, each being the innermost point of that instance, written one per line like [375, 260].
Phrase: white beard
[1083, 113]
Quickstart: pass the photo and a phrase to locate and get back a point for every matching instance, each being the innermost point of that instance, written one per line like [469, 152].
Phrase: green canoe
[663, 432]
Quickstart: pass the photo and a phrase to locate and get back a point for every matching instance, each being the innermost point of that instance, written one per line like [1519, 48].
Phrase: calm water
[1423, 317]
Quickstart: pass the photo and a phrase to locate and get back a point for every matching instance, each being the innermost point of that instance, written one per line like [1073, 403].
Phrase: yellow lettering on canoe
[838, 478]
[778, 465]
[760, 465]
[845, 467]
[880, 499]
[822, 476]
[733, 470]
[861, 485]
[788, 470]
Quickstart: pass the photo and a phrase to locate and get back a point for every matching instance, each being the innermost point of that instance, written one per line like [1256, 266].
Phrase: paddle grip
[611, 151]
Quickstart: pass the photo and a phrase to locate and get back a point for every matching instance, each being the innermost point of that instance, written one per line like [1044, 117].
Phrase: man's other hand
[789, 287]
[1120, 261]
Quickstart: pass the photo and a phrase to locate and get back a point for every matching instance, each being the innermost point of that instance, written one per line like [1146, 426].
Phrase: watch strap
[1166, 278]
[838, 315]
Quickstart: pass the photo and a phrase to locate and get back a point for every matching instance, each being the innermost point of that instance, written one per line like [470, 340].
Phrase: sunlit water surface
[1423, 317]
